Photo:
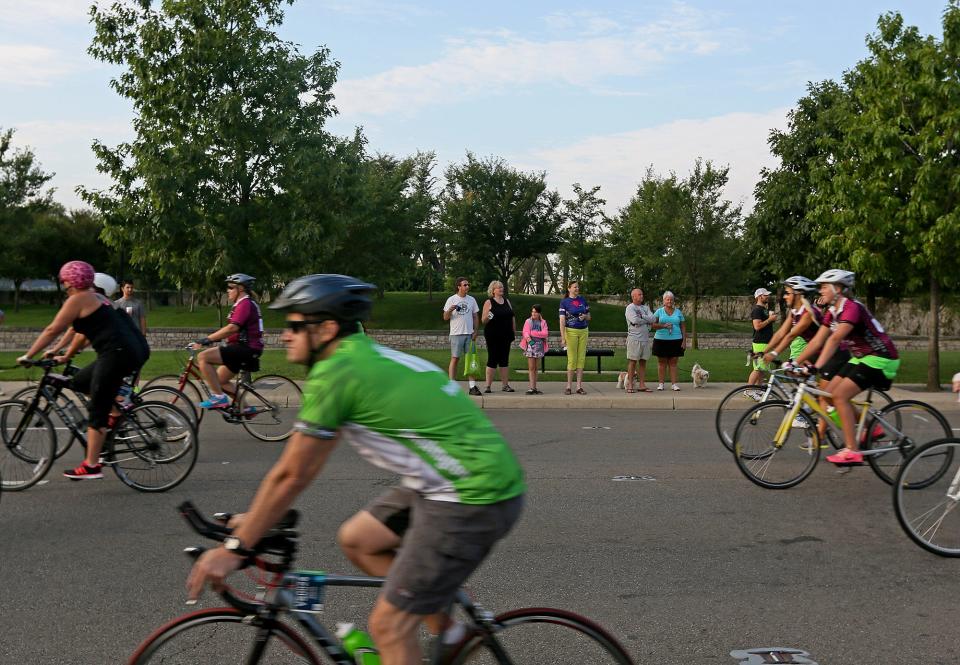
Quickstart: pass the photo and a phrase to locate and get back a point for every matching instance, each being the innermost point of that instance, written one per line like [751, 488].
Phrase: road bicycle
[266, 407]
[926, 496]
[151, 446]
[777, 445]
[779, 386]
[263, 628]
[76, 404]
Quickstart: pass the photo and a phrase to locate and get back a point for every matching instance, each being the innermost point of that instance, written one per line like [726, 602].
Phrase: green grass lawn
[724, 365]
[396, 311]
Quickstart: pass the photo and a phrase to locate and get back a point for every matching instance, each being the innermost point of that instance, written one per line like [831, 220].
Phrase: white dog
[699, 375]
[622, 380]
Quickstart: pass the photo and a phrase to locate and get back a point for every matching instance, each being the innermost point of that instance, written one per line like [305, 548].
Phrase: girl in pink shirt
[534, 345]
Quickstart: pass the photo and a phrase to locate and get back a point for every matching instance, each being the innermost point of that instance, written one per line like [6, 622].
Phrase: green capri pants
[577, 347]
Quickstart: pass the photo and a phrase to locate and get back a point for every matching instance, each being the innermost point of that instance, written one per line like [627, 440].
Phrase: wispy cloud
[376, 9]
[617, 162]
[33, 65]
[599, 48]
[34, 12]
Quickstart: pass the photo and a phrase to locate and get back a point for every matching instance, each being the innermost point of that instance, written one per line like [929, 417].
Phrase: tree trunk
[540, 275]
[16, 294]
[933, 353]
[695, 342]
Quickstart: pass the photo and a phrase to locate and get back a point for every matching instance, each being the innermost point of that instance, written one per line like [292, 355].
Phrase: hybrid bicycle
[927, 494]
[261, 629]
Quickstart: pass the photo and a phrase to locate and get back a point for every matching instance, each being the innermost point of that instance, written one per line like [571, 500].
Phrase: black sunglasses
[297, 326]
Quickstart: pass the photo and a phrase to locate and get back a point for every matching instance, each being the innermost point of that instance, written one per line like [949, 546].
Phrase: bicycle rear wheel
[189, 389]
[762, 460]
[173, 397]
[29, 445]
[735, 403]
[269, 407]
[926, 497]
[153, 447]
[540, 636]
[222, 635]
[917, 423]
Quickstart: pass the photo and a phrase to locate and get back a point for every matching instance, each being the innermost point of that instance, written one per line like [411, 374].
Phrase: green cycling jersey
[405, 415]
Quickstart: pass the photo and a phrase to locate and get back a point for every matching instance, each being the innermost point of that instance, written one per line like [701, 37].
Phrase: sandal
[631, 390]
[508, 389]
[567, 391]
[532, 391]
[581, 391]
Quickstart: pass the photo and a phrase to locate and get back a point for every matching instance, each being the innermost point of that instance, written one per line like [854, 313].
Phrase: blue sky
[588, 92]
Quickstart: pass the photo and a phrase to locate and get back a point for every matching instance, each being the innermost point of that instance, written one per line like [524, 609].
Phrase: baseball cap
[760, 292]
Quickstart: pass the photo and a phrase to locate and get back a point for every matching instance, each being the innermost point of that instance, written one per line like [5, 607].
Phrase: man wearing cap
[763, 321]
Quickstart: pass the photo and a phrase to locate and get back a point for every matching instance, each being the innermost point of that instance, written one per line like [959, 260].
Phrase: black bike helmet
[244, 280]
[327, 296]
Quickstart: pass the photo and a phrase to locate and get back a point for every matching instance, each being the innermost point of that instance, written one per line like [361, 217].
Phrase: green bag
[471, 363]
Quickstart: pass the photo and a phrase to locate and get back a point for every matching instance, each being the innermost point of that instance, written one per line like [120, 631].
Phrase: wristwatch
[233, 545]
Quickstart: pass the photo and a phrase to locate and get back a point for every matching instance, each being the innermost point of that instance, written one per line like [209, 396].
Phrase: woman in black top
[121, 351]
[499, 329]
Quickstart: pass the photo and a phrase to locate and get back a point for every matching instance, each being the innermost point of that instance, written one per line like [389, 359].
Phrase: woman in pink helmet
[121, 351]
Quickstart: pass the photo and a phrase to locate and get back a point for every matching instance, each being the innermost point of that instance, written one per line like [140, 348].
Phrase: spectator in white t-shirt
[462, 311]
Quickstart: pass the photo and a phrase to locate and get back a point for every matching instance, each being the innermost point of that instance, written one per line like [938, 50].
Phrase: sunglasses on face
[298, 326]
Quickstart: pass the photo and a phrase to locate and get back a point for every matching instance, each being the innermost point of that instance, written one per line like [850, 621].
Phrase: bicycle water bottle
[358, 644]
[75, 414]
[124, 394]
[834, 415]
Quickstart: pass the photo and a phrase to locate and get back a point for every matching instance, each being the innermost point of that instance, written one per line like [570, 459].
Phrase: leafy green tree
[891, 206]
[23, 198]
[584, 224]
[495, 217]
[230, 168]
[682, 234]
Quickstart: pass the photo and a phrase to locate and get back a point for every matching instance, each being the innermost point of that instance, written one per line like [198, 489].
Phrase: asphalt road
[684, 566]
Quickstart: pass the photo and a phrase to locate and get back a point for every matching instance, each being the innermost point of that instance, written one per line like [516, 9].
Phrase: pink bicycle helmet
[78, 274]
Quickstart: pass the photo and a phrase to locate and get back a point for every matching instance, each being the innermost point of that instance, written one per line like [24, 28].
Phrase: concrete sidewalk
[606, 395]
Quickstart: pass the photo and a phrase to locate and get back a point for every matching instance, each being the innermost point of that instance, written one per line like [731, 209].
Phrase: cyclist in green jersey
[461, 490]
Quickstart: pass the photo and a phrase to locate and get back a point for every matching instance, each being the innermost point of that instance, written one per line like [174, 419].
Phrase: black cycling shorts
[839, 359]
[238, 357]
[102, 379]
[865, 376]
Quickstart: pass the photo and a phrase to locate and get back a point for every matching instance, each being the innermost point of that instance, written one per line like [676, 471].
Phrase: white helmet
[801, 283]
[837, 276]
[102, 280]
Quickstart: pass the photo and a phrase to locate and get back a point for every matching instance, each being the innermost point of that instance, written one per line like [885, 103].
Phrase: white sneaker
[800, 423]
[675, 388]
[659, 386]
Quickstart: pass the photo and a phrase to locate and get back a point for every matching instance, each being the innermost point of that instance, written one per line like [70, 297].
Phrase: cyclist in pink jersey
[873, 362]
[244, 336]
[801, 327]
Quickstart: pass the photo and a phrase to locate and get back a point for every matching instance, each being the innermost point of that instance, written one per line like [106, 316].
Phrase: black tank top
[110, 330]
[501, 325]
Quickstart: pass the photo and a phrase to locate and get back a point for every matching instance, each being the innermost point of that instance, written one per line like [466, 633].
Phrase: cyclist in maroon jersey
[873, 362]
[244, 336]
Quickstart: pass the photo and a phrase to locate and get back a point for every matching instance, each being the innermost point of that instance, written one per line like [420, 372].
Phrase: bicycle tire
[919, 422]
[223, 635]
[173, 397]
[25, 455]
[270, 406]
[153, 447]
[925, 497]
[189, 388]
[549, 636]
[734, 404]
[63, 443]
[755, 449]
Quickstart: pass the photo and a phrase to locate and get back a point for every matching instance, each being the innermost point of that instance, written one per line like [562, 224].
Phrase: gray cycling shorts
[443, 543]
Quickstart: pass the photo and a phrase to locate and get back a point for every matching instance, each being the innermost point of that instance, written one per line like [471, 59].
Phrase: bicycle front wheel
[189, 388]
[927, 494]
[735, 403]
[65, 436]
[223, 635]
[538, 636]
[153, 447]
[29, 445]
[173, 397]
[764, 460]
[269, 407]
[902, 426]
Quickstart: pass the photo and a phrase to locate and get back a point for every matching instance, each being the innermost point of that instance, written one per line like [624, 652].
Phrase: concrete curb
[606, 395]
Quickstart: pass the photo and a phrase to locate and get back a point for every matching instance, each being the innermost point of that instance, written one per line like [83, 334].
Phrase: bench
[591, 353]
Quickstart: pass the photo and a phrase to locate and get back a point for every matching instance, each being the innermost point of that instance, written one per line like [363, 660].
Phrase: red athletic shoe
[876, 434]
[846, 456]
[84, 472]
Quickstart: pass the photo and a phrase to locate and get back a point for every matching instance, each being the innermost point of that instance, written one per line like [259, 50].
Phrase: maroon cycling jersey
[246, 314]
[867, 337]
[810, 331]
